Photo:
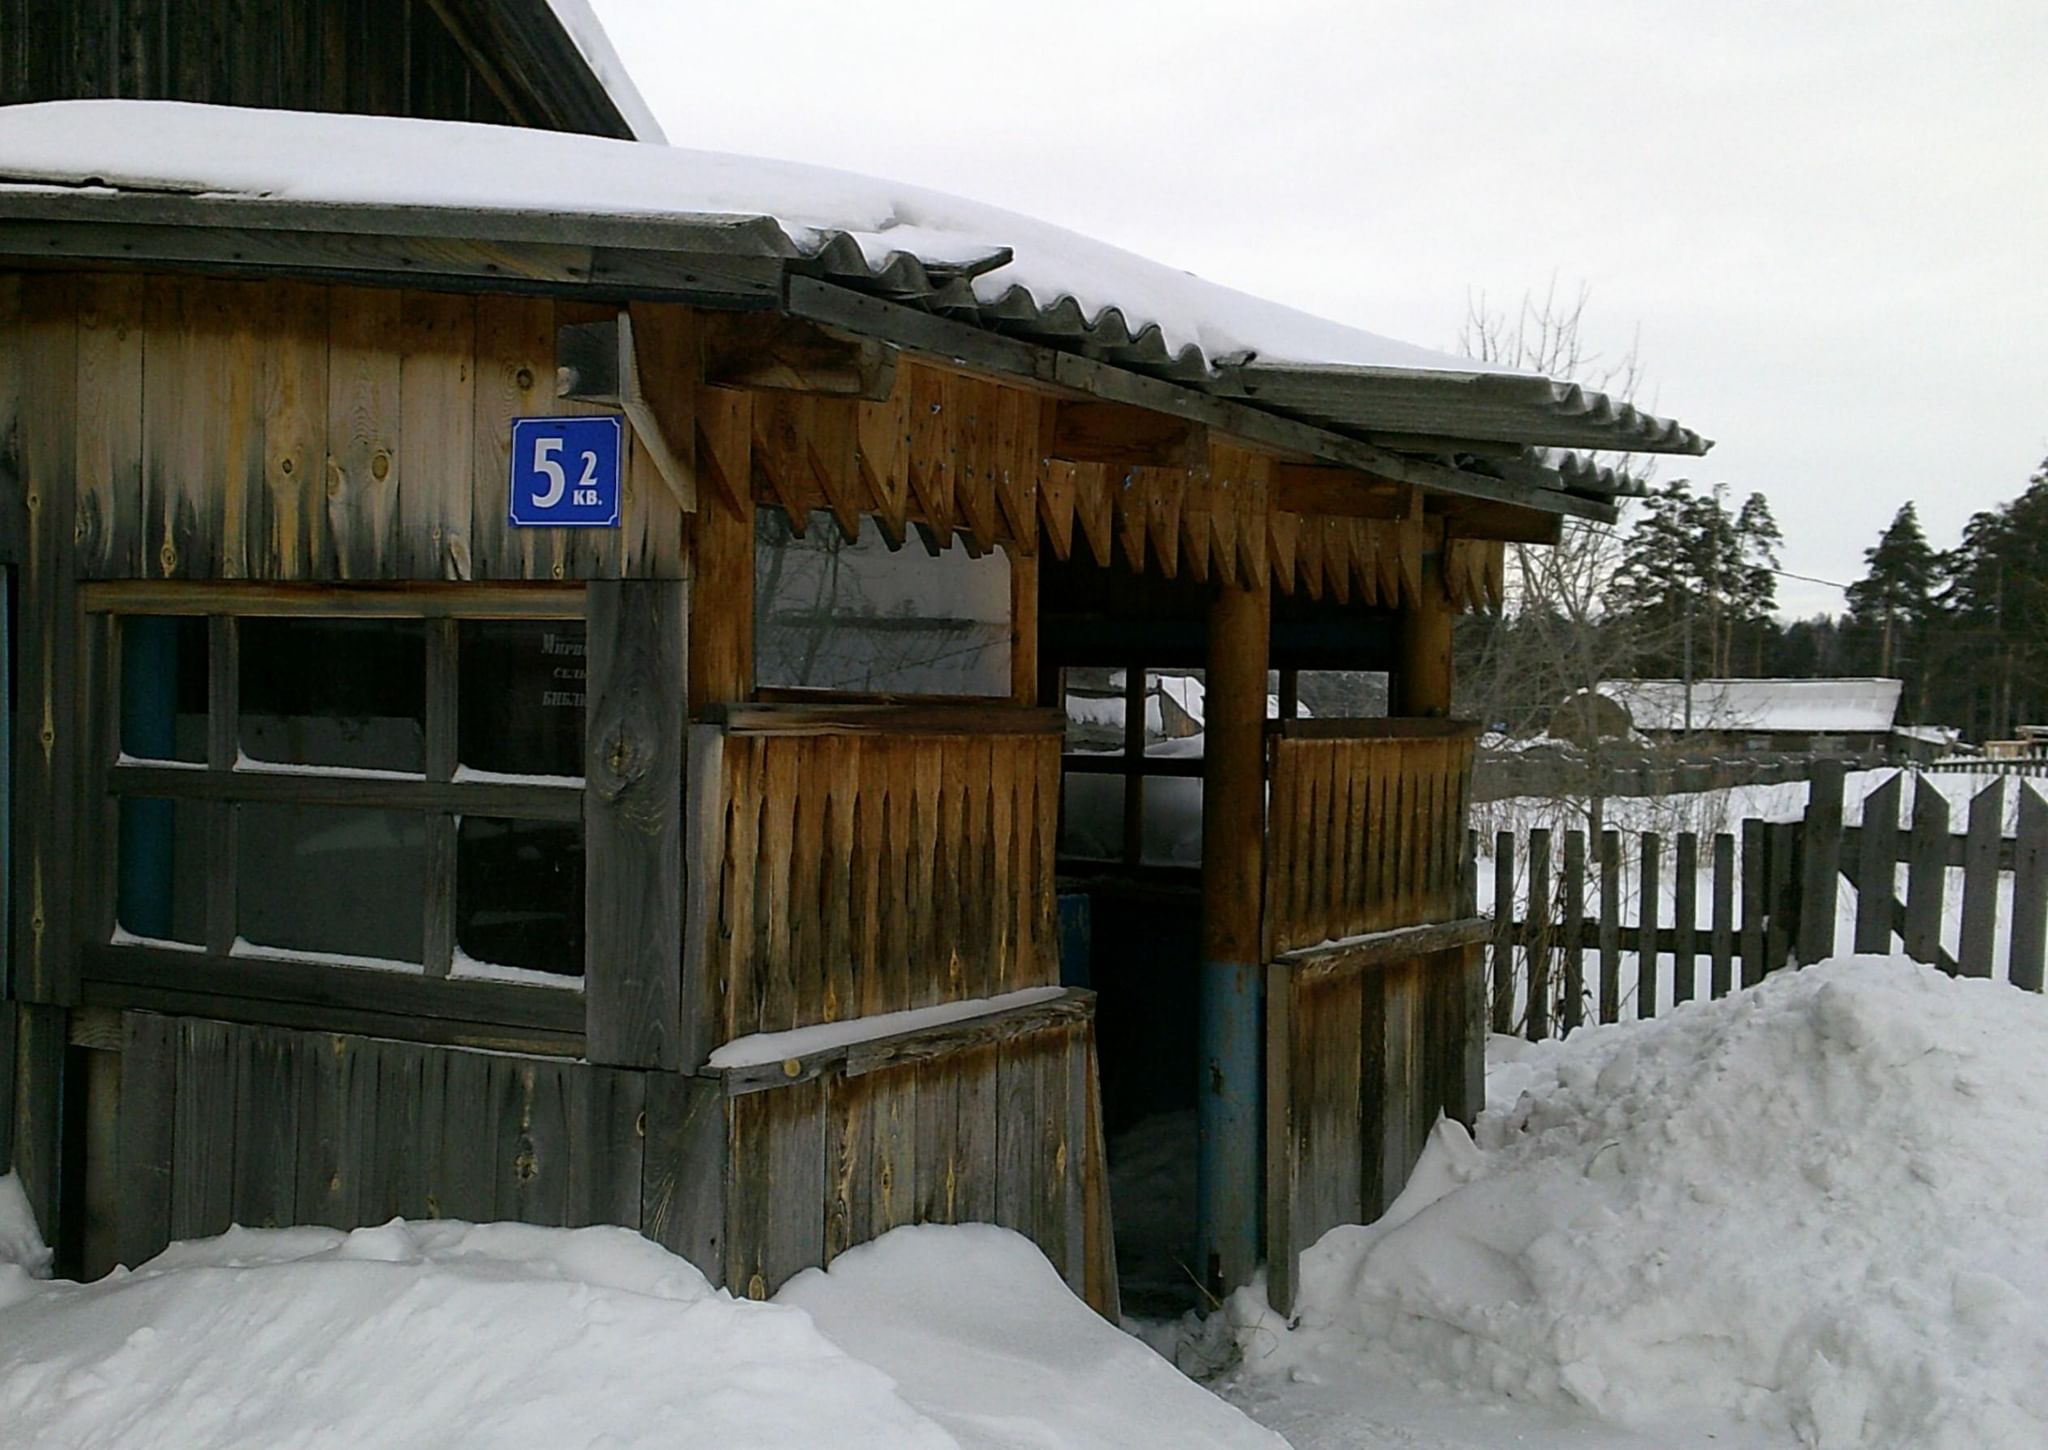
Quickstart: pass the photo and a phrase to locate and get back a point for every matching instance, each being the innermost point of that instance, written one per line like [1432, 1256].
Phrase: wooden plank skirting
[1001, 1125]
[857, 874]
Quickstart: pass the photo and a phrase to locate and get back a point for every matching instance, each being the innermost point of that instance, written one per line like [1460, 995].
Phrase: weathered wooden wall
[1374, 982]
[994, 1121]
[291, 432]
[870, 862]
[260, 1126]
[367, 57]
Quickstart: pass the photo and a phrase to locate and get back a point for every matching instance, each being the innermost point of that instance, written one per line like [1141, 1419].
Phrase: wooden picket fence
[1747, 902]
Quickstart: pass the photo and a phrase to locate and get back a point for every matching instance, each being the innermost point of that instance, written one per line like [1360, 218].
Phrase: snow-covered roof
[941, 253]
[588, 34]
[1849, 706]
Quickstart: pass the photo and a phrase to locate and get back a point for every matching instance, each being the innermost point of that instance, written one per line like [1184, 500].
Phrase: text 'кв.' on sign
[565, 473]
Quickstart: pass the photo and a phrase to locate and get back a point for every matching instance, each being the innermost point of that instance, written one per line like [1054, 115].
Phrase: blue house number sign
[565, 473]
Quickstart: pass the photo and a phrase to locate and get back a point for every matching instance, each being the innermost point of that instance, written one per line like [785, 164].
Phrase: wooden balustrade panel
[876, 873]
[1363, 834]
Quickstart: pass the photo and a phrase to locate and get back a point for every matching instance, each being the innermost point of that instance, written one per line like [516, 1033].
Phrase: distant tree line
[1689, 585]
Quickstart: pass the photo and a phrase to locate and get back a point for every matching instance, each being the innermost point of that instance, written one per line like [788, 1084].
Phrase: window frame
[139, 973]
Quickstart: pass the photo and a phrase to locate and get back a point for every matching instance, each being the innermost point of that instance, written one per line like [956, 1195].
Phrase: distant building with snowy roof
[1800, 717]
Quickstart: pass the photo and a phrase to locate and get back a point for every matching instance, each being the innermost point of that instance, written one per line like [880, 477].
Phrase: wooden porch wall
[865, 873]
[1367, 1040]
[1005, 1131]
[1364, 834]
[224, 1124]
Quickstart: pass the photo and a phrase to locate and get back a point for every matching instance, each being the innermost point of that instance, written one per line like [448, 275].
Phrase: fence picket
[1684, 917]
[1610, 926]
[1537, 941]
[1647, 904]
[1820, 862]
[1573, 929]
[1504, 932]
[1752, 902]
[2029, 891]
[1926, 873]
[1724, 913]
[1980, 880]
[1877, 874]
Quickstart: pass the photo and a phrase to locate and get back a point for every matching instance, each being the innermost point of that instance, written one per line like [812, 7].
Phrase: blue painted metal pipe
[1229, 1163]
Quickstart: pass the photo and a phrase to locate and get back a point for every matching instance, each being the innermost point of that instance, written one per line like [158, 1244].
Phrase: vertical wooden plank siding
[775, 1195]
[1877, 872]
[148, 1078]
[39, 422]
[1980, 881]
[2029, 891]
[110, 333]
[436, 445]
[363, 400]
[877, 873]
[633, 825]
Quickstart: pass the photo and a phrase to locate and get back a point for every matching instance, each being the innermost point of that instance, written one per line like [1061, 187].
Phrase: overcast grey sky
[1828, 222]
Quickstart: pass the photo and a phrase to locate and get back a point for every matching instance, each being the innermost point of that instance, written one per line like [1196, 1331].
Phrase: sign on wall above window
[863, 618]
[565, 473]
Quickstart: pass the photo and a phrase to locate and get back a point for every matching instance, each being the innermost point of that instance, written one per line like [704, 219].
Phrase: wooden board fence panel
[1503, 948]
[2030, 892]
[1610, 926]
[1685, 884]
[1723, 938]
[1754, 888]
[1647, 904]
[1980, 881]
[1926, 874]
[849, 864]
[1538, 936]
[1574, 913]
[1877, 855]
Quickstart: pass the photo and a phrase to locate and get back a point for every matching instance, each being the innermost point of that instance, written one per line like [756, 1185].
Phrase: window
[865, 618]
[345, 784]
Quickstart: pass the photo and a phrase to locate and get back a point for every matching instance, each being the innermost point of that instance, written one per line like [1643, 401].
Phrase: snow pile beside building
[1815, 1207]
[447, 1335]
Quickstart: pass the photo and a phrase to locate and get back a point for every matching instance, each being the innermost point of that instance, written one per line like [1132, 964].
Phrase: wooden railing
[1365, 824]
[873, 859]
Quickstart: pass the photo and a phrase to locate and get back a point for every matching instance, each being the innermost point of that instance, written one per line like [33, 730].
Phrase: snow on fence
[1597, 930]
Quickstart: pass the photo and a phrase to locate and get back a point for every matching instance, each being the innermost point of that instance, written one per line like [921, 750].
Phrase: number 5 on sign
[565, 473]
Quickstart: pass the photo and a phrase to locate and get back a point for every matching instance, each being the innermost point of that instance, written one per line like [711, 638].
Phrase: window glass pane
[1173, 821]
[335, 692]
[336, 880]
[521, 709]
[1092, 817]
[163, 687]
[160, 892]
[1342, 694]
[1175, 705]
[866, 618]
[519, 896]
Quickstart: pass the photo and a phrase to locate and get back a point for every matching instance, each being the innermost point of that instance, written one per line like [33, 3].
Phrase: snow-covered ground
[1808, 1215]
[446, 1335]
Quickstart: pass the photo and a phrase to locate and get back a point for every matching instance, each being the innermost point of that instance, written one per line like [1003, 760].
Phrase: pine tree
[1895, 604]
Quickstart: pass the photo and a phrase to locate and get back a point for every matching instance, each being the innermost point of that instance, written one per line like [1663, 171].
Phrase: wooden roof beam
[1307, 488]
[1473, 518]
[778, 353]
[1088, 431]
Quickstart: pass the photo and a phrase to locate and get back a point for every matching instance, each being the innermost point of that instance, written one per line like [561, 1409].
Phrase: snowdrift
[448, 1335]
[1816, 1207]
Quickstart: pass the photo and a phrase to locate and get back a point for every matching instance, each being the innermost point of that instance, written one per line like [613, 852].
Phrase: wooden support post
[1425, 673]
[722, 630]
[1233, 882]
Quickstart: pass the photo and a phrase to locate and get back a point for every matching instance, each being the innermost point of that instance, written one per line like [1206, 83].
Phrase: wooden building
[693, 868]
